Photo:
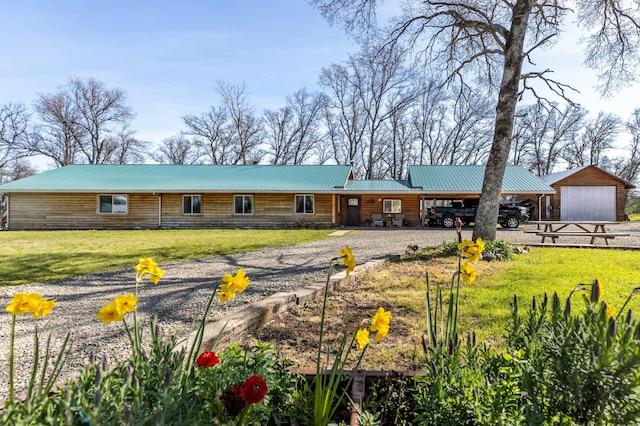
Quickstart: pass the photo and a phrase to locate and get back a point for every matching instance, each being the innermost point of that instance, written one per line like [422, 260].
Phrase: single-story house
[236, 196]
[585, 193]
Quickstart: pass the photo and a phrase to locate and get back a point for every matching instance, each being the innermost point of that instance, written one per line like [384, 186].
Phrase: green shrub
[494, 250]
[560, 367]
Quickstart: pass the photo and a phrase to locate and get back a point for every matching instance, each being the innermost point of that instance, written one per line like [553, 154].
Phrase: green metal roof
[468, 179]
[394, 186]
[184, 178]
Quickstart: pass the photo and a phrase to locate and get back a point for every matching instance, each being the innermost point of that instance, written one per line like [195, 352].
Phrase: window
[304, 204]
[191, 204]
[392, 206]
[243, 204]
[116, 203]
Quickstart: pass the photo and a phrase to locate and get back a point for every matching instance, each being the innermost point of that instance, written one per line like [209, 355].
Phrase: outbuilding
[585, 193]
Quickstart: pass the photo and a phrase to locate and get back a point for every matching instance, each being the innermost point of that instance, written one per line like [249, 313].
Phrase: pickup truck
[508, 217]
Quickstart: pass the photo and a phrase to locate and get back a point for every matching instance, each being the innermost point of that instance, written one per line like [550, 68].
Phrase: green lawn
[485, 304]
[29, 256]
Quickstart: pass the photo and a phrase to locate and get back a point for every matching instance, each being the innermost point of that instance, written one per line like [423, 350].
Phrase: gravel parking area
[183, 292]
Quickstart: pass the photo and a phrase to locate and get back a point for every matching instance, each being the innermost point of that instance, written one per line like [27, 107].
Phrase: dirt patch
[294, 334]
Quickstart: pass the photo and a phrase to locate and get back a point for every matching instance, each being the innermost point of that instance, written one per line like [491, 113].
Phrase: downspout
[159, 210]
[539, 208]
[333, 208]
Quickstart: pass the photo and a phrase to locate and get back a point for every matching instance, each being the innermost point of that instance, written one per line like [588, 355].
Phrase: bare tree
[14, 137]
[84, 122]
[365, 93]
[542, 133]
[245, 128]
[124, 148]
[292, 132]
[489, 42]
[400, 152]
[344, 117]
[210, 132]
[627, 167]
[57, 136]
[176, 149]
[598, 137]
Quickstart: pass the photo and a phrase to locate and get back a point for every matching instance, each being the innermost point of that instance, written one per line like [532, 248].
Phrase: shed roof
[184, 178]
[557, 177]
[468, 179]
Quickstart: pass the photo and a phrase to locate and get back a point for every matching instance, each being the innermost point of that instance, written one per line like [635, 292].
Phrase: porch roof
[378, 186]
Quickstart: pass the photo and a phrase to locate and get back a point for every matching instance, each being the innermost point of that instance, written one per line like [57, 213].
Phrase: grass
[32, 256]
[485, 304]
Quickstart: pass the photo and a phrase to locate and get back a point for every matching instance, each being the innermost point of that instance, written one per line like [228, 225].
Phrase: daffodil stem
[11, 347]
[626, 302]
[324, 306]
[126, 327]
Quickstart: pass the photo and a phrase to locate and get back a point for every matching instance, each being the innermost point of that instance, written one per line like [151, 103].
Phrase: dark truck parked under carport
[508, 217]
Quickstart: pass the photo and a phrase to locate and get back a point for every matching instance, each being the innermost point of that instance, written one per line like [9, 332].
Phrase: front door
[353, 211]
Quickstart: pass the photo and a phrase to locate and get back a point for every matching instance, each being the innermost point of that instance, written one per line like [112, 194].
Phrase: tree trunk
[488, 207]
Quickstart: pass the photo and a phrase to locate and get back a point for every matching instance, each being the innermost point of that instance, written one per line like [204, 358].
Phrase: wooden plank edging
[259, 313]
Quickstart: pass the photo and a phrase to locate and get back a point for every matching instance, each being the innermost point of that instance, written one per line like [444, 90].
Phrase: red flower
[254, 389]
[207, 359]
[233, 400]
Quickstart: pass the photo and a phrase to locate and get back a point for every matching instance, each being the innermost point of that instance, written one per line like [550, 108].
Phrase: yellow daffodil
[23, 303]
[467, 273]
[44, 308]
[156, 274]
[126, 303]
[225, 296]
[380, 320]
[472, 253]
[348, 259]
[109, 313]
[147, 267]
[465, 244]
[232, 284]
[362, 338]
[382, 333]
[471, 250]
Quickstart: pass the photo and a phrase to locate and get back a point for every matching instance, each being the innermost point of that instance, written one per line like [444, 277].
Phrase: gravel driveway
[182, 294]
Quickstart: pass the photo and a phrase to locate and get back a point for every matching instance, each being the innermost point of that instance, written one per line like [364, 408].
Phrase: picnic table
[555, 229]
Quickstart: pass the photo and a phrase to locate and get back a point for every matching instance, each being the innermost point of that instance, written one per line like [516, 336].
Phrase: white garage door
[588, 203]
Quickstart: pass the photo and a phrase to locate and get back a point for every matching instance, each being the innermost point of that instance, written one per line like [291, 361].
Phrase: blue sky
[168, 55]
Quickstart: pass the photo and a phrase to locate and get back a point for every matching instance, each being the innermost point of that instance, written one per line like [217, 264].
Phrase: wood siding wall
[269, 211]
[589, 176]
[370, 204]
[79, 211]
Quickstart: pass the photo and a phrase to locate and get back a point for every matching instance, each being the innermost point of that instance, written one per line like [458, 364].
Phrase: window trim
[191, 213]
[295, 203]
[126, 205]
[243, 213]
[384, 206]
